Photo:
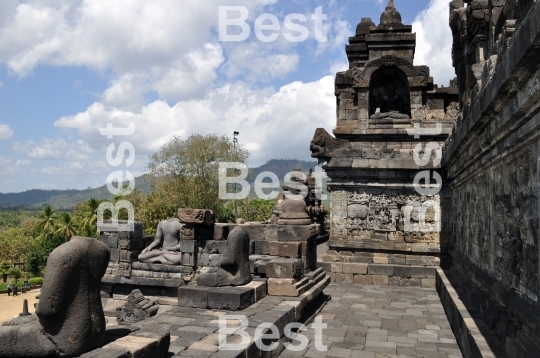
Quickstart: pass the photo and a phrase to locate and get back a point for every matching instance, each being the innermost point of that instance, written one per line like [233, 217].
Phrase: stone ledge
[474, 337]
[367, 244]
[225, 298]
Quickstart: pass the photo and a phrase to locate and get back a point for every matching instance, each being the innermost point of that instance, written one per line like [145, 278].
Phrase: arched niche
[389, 90]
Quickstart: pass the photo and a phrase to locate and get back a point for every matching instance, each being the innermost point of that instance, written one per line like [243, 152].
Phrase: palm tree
[47, 219]
[88, 222]
[66, 227]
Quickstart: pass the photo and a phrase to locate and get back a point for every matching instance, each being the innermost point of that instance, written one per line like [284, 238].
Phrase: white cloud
[272, 124]
[256, 61]
[49, 149]
[9, 168]
[434, 41]
[5, 131]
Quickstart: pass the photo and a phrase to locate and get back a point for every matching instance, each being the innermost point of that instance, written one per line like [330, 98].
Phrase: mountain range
[67, 199]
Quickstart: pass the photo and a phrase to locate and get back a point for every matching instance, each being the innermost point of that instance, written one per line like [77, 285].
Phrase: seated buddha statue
[165, 248]
[390, 105]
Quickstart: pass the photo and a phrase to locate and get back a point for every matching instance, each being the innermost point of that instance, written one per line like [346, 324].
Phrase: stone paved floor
[369, 321]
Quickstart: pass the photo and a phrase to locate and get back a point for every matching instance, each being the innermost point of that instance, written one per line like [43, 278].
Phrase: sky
[70, 67]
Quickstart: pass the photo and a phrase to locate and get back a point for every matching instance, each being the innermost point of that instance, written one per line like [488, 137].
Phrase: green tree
[47, 221]
[15, 273]
[185, 174]
[86, 215]
[66, 227]
[14, 245]
[4, 270]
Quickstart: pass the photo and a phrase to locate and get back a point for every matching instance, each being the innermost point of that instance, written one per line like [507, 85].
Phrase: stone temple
[471, 228]
[432, 231]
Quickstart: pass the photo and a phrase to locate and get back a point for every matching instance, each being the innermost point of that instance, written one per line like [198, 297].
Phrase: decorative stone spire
[364, 26]
[390, 16]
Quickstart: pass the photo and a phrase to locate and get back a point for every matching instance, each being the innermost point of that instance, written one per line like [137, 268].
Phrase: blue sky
[69, 67]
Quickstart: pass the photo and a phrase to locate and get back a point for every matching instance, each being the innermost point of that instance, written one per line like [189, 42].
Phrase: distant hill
[280, 167]
[67, 199]
[62, 199]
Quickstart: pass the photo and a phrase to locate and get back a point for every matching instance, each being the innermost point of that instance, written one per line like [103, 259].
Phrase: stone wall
[491, 163]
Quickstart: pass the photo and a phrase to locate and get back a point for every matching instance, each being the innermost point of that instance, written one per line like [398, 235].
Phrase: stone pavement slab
[375, 321]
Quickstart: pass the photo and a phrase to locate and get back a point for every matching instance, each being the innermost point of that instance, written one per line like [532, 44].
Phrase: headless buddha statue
[165, 248]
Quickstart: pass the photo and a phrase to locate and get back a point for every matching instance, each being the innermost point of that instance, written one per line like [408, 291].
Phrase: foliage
[185, 175]
[38, 252]
[47, 221]
[14, 244]
[15, 273]
[35, 281]
[13, 218]
[85, 217]
[4, 270]
[66, 227]
[250, 209]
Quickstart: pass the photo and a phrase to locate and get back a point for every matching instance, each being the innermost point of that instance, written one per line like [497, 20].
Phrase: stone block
[169, 282]
[129, 255]
[344, 277]
[397, 259]
[193, 296]
[231, 298]
[404, 281]
[363, 279]
[380, 280]
[273, 248]
[107, 353]
[261, 267]
[261, 247]
[141, 347]
[431, 272]
[197, 216]
[336, 267]
[284, 268]
[115, 256]
[290, 249]
[287, 287]
[110, 240]
[187, 259]
[386, 270]
[418, 271]
[221, 231]
[402, 271]
[205, 259]
[296, 232]
[325, 265]
[260, 289]
[428, 282]
[189, 246]
[355, 268]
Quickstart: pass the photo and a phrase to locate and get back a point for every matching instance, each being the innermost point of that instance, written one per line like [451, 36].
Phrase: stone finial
[390, 16]
[25, 309]
[364, 26]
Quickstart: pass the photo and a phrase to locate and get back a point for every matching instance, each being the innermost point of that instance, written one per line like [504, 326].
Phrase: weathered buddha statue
[69, 319]
[390, 104]
[234, 268]
[165, 249]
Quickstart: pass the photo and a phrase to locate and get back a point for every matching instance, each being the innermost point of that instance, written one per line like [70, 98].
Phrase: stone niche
[374, 214]
[383, 89]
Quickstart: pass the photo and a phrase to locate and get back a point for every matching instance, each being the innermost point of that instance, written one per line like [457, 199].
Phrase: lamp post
[235, 142]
